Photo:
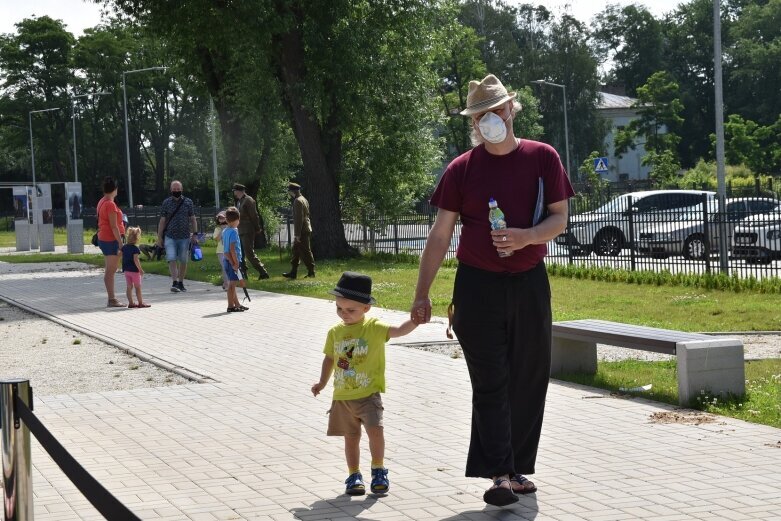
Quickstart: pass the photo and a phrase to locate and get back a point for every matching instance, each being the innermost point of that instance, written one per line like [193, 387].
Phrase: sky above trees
[79, 14]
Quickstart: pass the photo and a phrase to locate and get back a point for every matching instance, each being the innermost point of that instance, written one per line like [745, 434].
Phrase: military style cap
[239, 186]
[293, 186]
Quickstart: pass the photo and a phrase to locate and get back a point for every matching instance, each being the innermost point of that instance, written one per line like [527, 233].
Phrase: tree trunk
[321, 163]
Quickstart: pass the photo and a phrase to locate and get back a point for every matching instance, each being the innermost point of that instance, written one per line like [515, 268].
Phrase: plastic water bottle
[496, 218]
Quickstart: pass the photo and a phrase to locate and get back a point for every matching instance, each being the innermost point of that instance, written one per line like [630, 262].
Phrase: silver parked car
[606, 230]
[757, 239]
[694, 233]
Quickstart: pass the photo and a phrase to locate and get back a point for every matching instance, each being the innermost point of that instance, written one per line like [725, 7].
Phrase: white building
[619, 112]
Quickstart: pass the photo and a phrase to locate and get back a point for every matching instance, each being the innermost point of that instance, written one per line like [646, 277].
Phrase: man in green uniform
[249, 227]
[302, 233]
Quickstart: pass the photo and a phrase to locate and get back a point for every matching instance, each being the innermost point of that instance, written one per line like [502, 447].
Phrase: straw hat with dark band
[485, 95]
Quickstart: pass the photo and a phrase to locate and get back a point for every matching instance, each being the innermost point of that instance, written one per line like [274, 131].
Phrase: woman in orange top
[110, 232]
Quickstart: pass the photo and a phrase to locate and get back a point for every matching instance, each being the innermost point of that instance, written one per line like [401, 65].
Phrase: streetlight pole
[73, 122]
[32, 149]
[127, 139]
[566, 126]
[214, 155]
[719, 102]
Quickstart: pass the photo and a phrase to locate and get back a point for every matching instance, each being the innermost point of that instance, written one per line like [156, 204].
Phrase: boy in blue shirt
[355, 354]
[232, 258]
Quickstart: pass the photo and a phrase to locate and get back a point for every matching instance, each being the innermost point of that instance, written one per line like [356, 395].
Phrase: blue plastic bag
[195, 253]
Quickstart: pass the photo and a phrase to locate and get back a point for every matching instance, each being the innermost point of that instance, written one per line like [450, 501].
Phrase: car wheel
[694, 248]
[608, 243]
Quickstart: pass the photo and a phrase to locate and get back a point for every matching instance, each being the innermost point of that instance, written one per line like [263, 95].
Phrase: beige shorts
[346, 416]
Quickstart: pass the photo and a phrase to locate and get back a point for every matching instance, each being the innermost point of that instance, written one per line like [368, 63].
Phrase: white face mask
[493, 128]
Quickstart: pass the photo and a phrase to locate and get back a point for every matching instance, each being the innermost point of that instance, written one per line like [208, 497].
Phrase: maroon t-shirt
[474, 177]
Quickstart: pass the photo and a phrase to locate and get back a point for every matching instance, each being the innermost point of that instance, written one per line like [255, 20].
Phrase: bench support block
[716, 367]
[573, 356]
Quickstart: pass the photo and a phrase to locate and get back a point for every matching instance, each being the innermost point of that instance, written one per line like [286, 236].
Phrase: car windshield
[617, 205]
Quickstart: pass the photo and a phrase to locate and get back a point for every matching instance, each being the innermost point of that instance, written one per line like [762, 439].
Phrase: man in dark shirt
[176, 231]
[249, 228]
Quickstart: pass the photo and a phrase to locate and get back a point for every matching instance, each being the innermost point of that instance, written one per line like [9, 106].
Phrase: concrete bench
[705, 362]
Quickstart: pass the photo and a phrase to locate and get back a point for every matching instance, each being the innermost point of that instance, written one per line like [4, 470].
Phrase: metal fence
[660, 232]
[663, 230]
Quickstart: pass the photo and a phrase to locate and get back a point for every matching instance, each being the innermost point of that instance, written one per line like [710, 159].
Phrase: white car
[606, 230]
[757, 239]
[686, 233]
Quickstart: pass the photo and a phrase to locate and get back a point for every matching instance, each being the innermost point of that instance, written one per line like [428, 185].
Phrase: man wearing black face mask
[176, 231]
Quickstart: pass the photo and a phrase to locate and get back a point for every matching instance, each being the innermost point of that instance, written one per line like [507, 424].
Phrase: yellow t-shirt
[358, 352]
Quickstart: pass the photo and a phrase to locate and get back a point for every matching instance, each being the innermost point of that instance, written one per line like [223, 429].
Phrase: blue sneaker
[355, 486]
[380, 483]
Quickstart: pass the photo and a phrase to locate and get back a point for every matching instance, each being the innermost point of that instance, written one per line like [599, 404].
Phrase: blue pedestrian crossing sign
[600, 165]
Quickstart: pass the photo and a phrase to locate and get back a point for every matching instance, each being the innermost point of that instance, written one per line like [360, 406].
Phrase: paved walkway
[249, 443]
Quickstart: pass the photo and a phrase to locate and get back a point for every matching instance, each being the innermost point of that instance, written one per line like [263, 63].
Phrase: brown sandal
[522, 485]
[114, 303]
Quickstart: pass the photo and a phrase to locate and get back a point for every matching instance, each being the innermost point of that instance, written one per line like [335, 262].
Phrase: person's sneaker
[175, 287]
[310, 275]
[355, 486]
[380, 483]
[181, 286]
[290, 275]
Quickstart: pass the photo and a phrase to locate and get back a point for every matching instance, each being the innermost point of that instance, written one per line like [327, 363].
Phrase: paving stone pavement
[249, 443]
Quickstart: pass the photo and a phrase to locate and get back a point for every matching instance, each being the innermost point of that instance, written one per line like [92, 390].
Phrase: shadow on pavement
[342, 507]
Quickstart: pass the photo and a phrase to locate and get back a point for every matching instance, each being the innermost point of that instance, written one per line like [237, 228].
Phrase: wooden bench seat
[705, 362]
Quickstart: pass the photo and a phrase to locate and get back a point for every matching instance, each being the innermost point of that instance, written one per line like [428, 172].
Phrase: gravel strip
[58, 360]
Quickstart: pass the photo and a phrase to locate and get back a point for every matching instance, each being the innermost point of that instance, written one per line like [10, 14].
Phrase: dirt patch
[776, 445]
[682, 417]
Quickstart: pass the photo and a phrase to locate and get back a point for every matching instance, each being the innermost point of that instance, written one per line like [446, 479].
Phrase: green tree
[571, 61]
[747, 143]
[353, 78]
[634, 38]
[658, 110]
[753, 85]
[35, 74]
[665, 167]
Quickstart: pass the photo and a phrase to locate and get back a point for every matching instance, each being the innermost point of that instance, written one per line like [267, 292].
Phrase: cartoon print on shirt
[350, 354]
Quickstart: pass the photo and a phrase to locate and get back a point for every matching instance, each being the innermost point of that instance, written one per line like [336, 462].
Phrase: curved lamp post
[73, 122]
[127, 139]
[32, 149]
[566, 128]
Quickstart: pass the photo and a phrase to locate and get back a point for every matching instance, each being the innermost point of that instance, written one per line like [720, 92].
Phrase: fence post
[17, 466]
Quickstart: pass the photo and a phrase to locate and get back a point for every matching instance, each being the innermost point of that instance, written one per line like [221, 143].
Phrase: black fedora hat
[354, 286]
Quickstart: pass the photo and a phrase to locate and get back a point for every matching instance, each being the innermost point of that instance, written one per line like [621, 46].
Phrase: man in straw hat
[501, 296]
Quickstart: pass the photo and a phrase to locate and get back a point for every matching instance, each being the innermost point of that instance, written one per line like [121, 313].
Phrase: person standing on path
[176, 231]
[249, 228]
[302, 234]
[110, 232]
[501, 296]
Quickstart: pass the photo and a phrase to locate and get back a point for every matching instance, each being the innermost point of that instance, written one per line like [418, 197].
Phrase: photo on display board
[74, 205]
[30, 205]
[20, 206]
[48, 216]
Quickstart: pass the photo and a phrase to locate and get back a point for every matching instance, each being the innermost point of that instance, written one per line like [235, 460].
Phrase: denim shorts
[229, 271]
[108, 247]
[177, 249]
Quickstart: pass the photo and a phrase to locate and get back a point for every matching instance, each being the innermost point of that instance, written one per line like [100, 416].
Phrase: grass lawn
[761, 404]
[682, 308]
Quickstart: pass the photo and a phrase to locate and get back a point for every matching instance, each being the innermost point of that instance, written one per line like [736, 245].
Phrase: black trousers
[503, 323]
